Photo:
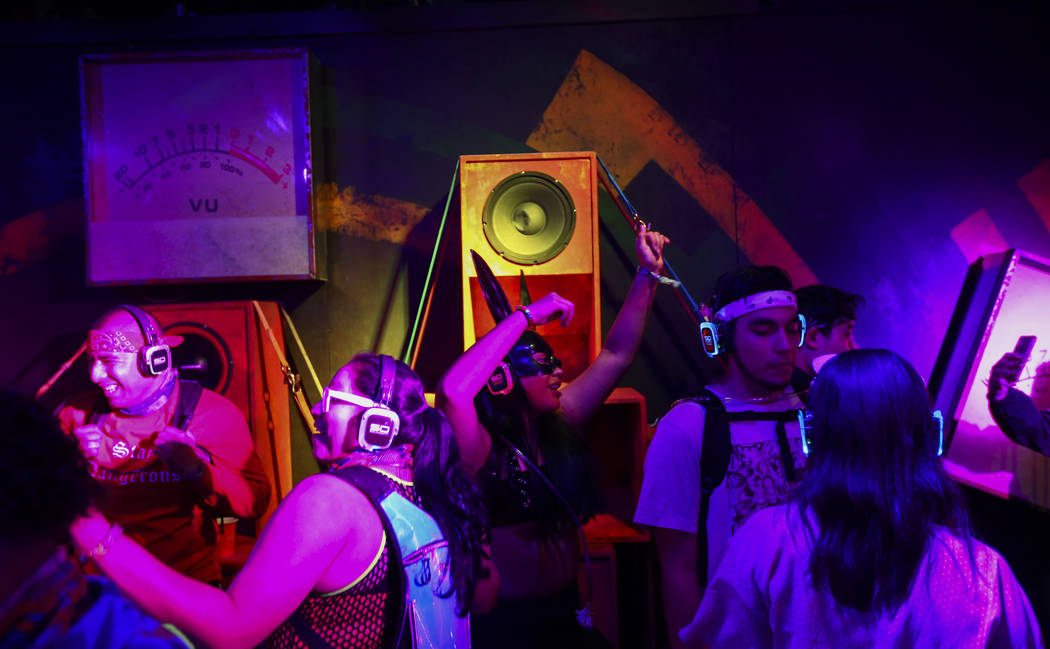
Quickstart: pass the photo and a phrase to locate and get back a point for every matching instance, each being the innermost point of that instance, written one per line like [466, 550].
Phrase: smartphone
[1023, 348]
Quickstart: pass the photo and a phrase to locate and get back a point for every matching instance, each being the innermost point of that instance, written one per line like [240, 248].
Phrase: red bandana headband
[110, 341]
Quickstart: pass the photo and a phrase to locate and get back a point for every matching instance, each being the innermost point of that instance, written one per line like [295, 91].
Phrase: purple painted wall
[885, 148]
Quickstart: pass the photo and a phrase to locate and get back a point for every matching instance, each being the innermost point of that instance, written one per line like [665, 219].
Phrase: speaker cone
[529, 218]
[203, 355]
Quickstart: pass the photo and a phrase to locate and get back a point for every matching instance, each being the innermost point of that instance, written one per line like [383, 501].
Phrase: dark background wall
[884, 148]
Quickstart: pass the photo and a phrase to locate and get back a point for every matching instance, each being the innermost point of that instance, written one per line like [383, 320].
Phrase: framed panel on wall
[197, 167]
[1004, 297]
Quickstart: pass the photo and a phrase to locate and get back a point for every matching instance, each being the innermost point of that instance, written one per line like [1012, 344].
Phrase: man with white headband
[718, 458]
[168, 455]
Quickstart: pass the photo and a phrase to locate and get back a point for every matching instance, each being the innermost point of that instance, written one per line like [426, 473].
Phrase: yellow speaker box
[537, 214]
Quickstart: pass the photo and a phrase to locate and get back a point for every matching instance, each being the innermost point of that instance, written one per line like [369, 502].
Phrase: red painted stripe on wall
[598, 109]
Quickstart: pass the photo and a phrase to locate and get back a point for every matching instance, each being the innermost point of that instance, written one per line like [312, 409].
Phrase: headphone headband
[379, 423]
[144, 321]
[387, 374]
[154, 358]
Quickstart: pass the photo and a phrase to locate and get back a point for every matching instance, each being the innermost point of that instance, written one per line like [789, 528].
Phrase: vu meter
[197, 167]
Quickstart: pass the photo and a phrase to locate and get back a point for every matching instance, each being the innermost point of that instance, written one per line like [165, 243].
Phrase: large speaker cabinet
[225, 348]
[623, 572]
[536, 214]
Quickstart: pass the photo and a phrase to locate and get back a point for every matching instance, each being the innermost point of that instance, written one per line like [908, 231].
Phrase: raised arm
[470, 372]
[582, 397]
[311, 527]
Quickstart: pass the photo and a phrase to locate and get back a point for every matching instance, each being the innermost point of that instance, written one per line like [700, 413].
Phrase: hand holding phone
[1007, 370]
[1022, 350]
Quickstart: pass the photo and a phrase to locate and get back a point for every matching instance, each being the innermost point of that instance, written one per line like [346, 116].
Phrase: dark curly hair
[43, 474]
[823, 305]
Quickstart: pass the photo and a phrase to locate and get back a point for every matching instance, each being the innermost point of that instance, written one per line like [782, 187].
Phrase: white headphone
[379, 423]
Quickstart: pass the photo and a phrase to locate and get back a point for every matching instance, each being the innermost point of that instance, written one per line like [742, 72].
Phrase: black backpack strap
[186, 406]
[785, 450]
[376, 488]
[370, 482]
[714, 462]
[189, 395]
[715, 452]
[781, 418]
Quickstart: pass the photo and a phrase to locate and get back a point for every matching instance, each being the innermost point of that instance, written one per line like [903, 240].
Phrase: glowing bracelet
[527, 313]
[645, 272]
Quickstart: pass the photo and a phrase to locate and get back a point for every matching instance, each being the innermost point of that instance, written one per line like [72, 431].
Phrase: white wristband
[645, 272]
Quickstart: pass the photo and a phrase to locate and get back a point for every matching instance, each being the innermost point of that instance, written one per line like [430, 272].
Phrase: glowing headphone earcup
[501, 381]
[710, 340]
[937, 423]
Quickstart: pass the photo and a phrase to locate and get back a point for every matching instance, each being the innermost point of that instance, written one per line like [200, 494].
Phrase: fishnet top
[351, 619]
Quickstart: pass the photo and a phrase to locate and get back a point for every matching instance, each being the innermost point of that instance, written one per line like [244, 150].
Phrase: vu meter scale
[197, 167]
[204, 147]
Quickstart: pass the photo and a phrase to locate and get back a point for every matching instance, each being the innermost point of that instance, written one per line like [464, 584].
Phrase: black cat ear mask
[522, 356]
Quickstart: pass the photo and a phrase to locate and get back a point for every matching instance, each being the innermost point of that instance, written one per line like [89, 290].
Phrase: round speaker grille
[529, 218]
[203, 355]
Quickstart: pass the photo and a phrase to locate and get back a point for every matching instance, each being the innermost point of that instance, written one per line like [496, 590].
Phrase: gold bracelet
[106, 543]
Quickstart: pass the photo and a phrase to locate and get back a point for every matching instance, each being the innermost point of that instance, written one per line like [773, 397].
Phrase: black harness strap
[375, 488]
[189, 395]
[395, 621]
[781, 419]
[715, 451]
[714, 462]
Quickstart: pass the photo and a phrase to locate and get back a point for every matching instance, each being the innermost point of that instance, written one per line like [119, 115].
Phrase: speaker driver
[529, 218]
[203, 355]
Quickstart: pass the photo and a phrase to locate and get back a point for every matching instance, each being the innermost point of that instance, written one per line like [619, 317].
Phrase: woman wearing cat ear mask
[516, 423]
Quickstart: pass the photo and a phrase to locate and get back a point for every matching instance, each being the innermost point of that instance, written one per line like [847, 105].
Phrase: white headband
[750, 303]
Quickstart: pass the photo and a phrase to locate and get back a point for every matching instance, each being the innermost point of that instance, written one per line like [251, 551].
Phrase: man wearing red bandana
[164, 474]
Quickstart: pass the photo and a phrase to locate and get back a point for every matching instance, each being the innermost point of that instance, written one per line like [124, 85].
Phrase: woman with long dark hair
[518, 427]
[323, 572]
[875, 549]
